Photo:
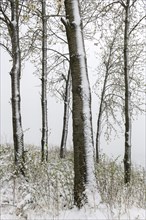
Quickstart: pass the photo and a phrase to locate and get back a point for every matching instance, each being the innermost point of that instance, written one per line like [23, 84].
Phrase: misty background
[31, 113]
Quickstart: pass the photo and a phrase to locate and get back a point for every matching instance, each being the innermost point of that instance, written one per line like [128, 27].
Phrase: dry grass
[50, 185]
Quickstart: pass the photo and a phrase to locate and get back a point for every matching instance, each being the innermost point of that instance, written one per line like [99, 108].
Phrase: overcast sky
[31, 114]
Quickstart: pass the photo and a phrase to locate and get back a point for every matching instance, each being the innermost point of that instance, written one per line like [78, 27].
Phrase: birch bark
[44, 140]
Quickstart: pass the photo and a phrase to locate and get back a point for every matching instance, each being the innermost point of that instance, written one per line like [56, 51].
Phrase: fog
[31, 115]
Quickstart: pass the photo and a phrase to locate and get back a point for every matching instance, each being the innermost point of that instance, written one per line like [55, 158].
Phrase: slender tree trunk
[127, 156]
[66, 116]
[107, 69]
[44, 141]
[100, 117]
[15, 88]
[84, 179]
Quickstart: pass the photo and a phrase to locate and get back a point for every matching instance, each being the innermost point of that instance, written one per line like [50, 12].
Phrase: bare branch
[58, 36]
[134, 1]
[137, 24]
[5, 19]
[59, 53]
[6, 48]
[122, 3]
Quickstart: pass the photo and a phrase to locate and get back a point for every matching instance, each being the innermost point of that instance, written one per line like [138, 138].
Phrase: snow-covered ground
[102, 213]
[48, 193]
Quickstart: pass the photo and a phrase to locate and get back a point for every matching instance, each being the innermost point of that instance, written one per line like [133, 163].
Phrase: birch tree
[10, 13]
[129, 28]
[44, 40]
[127, 156]
[66, 115]
[84, 179]
[123, 92]
[110, 58]
[44, 141]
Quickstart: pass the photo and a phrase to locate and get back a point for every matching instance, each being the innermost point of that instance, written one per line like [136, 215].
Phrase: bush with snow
[48, 187]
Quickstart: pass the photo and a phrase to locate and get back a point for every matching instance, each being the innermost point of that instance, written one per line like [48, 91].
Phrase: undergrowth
[114, 193]
[50, 185]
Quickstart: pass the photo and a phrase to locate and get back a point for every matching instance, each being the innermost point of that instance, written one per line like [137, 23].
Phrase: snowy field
[74, 214]
[47, 191]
